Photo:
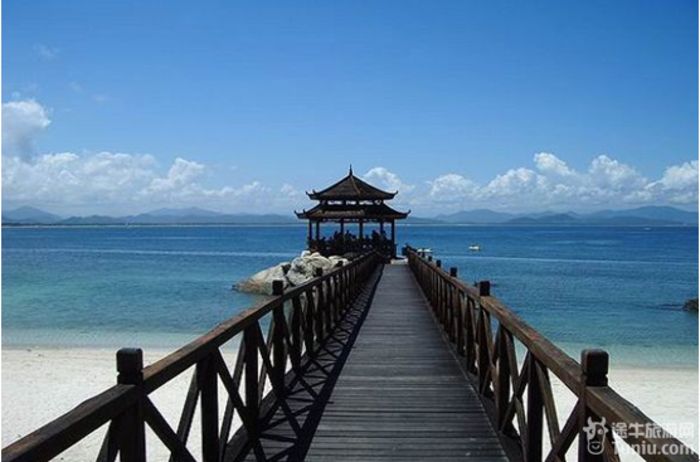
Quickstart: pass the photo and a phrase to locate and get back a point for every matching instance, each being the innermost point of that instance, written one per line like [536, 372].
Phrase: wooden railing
[300, 319]
[520, 401]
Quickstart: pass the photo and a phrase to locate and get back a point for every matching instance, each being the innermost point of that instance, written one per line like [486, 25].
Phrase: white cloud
[22, 122]
[290, 191]
[550, 164]
[181, 174]
[680, 177]
[384, 179]
[606, 183]
[46, 52]
[613, 175]
[116, 183]
[678, 185]
[515, 182]
[67, 178]
[76, 87]
[100, 98]
[452, 187]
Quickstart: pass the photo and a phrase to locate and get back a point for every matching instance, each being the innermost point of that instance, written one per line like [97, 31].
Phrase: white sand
[648, 389]
[41, 384]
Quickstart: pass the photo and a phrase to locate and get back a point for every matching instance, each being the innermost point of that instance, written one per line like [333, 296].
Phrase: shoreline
[622, 355]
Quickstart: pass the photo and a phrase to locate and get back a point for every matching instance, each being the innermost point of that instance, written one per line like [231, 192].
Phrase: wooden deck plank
[401, 394]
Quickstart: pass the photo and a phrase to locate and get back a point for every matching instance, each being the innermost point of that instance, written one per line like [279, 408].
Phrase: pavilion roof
[351, 188]
[366, 212]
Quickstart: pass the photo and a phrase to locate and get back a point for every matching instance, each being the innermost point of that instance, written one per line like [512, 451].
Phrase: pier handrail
[467, 313]
[300, 320]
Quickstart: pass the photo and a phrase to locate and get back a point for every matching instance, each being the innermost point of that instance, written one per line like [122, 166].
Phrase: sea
[618, 288]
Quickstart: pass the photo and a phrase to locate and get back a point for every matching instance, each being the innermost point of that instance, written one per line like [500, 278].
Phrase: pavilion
[352, 200]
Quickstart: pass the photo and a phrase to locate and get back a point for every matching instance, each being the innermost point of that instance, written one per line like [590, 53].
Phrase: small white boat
[475, 248]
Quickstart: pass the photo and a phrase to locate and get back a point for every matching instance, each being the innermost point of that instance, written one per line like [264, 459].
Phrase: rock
[337, 260]
[299, 272]
[304, 268]
[294, 273]
[261, 282]
[691, 305]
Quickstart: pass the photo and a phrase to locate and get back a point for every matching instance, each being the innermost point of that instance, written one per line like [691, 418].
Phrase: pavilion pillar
[311, 235]
[361, 231]
[318, 230]
[381, 226]
[393, 238]
[342, 227]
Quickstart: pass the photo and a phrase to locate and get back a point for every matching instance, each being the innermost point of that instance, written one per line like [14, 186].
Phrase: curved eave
[331, 213]
[349, 197]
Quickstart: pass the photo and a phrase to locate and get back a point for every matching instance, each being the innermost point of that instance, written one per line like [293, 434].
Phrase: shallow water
[620, 288]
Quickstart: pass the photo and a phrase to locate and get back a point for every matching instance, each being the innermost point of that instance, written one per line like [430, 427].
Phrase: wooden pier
[401, 395]
[371, 361]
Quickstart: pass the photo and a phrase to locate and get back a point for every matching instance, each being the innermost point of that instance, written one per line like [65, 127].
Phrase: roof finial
[350, 169]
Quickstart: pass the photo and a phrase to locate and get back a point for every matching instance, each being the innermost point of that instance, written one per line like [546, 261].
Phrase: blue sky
[125, 106]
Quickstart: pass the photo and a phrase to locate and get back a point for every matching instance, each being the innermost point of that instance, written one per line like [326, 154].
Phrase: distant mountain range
[192, 215]
[642, 216]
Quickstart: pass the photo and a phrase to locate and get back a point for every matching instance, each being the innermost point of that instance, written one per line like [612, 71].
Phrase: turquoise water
[621, 288]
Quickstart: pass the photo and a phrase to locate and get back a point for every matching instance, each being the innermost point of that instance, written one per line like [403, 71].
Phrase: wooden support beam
[594, 373]
[250, 337]
[132, 447]
[207, 380]
[535, 412]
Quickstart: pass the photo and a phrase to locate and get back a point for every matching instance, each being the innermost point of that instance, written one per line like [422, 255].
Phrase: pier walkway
[401, 394]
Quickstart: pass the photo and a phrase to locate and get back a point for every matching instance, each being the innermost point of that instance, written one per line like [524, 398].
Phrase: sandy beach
[41, 384]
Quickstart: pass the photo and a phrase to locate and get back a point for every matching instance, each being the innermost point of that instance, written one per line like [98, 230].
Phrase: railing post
[309, 327]
[482, 358]
[469, 341]
[333, 302]
[594, 373]
[320, 306]
[279, 361]
[207, 381]
[485, 288]
[343, 286]
[132, 445]
[503, 384]
[328, 306]
[535, 413]
[295, 353]
[441, 296]
[454, 309]
[250, 338]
